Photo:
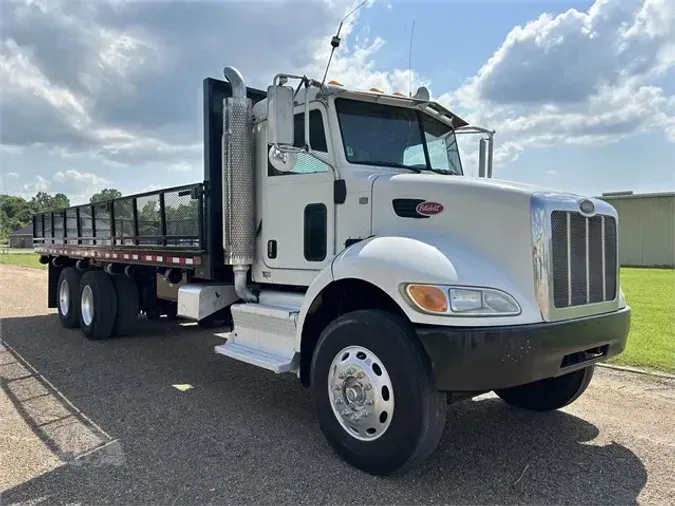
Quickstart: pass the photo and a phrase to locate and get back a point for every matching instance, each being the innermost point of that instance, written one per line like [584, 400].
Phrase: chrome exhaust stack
[238, 184]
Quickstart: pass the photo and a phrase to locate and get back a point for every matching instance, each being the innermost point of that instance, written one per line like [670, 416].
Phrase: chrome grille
[584, 259]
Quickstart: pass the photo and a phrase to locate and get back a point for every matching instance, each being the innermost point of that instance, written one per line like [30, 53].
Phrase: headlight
[450, 300]
[484, 301]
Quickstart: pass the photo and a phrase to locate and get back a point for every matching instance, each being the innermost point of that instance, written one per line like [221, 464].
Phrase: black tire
[550, 393]
[71, 317]
[104, 302]
[127, 305]
[418, 415]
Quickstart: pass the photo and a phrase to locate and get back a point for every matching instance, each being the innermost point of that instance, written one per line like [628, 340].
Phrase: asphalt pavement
[159, 418]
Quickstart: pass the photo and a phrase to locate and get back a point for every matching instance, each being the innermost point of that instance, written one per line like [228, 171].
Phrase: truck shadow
[168, 421]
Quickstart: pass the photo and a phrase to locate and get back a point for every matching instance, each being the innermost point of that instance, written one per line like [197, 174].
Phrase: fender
[388, 261]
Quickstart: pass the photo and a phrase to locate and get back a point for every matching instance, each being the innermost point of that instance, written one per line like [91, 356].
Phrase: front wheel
[550, 393]
[374, 393]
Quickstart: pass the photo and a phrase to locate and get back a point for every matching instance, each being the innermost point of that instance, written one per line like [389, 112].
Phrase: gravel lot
[102, 422]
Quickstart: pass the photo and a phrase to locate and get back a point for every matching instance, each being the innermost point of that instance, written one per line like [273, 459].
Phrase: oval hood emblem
[429, 208]
[586, 206]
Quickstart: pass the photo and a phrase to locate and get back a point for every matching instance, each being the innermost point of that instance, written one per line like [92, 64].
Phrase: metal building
[21, 238]
[646, 228]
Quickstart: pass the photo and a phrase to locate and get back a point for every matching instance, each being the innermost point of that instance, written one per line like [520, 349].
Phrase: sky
[107, 93]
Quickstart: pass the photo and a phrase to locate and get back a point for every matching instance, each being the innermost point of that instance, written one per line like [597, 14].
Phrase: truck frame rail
[160, 227]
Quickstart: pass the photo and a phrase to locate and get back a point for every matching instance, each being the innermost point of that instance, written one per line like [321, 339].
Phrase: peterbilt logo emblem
[429, 208]
[586, 207]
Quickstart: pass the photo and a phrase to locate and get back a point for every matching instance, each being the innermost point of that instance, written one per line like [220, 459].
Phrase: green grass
[651, 295]
[20, 259]
[16, 251]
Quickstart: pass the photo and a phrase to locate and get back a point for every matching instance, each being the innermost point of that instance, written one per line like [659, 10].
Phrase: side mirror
[283, 161]
[280, 115]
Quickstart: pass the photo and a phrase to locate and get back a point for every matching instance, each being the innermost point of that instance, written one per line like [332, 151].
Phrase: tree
[43, 201]
[15, 213]
[105, 194]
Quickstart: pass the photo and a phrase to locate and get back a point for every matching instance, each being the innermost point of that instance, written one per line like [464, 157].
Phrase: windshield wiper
[395, 165]
[445, 172]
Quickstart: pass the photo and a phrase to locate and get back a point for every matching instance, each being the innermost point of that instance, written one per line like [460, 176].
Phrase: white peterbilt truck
[337, 234]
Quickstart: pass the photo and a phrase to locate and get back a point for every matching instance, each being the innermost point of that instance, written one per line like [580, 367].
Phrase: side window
[308, 164]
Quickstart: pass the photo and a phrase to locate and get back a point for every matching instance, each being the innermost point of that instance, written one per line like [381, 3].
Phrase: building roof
[621, 196]
[23, 231]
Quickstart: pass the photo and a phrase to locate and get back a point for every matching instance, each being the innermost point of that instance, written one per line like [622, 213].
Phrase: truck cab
[321, 200]
[337, 230]
[473, 284]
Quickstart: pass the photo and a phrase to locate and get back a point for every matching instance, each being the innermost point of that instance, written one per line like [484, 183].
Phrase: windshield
[379, 134]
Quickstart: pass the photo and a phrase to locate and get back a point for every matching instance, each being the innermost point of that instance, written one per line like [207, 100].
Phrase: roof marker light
[335, 83]
[376, 90]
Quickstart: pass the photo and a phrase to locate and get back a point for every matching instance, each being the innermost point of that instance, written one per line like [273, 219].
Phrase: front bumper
[490, 358]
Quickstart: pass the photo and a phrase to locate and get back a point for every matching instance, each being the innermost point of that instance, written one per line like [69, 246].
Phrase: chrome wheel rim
[64, 297]
[87, 305]
[361, 393]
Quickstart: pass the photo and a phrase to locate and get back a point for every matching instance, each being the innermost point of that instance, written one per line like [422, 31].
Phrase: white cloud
[181, 167]
[85, 178]
[39, 184]
[78, 186]
[10, 174]
[124, 82]
[577, 78]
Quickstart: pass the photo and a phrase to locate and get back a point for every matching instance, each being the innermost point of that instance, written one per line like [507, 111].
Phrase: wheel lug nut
[350, 371]
[368, 386]
[369, 402]
[359, 375]
[338, 401]
[341, 375]
[345, 413]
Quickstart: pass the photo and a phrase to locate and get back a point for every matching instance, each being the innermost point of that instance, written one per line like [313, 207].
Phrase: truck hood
[482, 226]
[450, 185]
[448, 203]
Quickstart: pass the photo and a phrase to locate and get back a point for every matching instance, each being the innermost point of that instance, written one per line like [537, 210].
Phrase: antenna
[412, 36]
[335, 41]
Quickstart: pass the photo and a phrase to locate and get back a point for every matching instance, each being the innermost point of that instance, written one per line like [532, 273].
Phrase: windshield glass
[379, 134]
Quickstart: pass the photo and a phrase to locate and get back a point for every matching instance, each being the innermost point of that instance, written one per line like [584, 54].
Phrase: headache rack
[164, 226]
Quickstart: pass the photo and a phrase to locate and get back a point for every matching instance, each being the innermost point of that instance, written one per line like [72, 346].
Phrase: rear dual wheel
[98, 305]
[108, 305]
[68, 293]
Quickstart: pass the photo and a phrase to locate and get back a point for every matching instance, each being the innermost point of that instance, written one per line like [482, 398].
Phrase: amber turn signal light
[429, 298]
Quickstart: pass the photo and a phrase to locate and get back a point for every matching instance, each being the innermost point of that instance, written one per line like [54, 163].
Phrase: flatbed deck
[163, 227]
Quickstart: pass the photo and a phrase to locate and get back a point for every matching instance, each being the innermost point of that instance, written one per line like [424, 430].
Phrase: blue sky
[107, 93]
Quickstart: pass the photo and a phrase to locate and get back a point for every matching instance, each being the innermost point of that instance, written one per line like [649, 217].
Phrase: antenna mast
[335, 41]
[412, 36]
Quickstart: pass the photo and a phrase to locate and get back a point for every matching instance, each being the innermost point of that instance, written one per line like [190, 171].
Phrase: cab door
[298, 210]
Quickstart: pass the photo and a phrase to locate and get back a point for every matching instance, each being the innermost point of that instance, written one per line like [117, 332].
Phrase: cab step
[269, 361]
[264, 335]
